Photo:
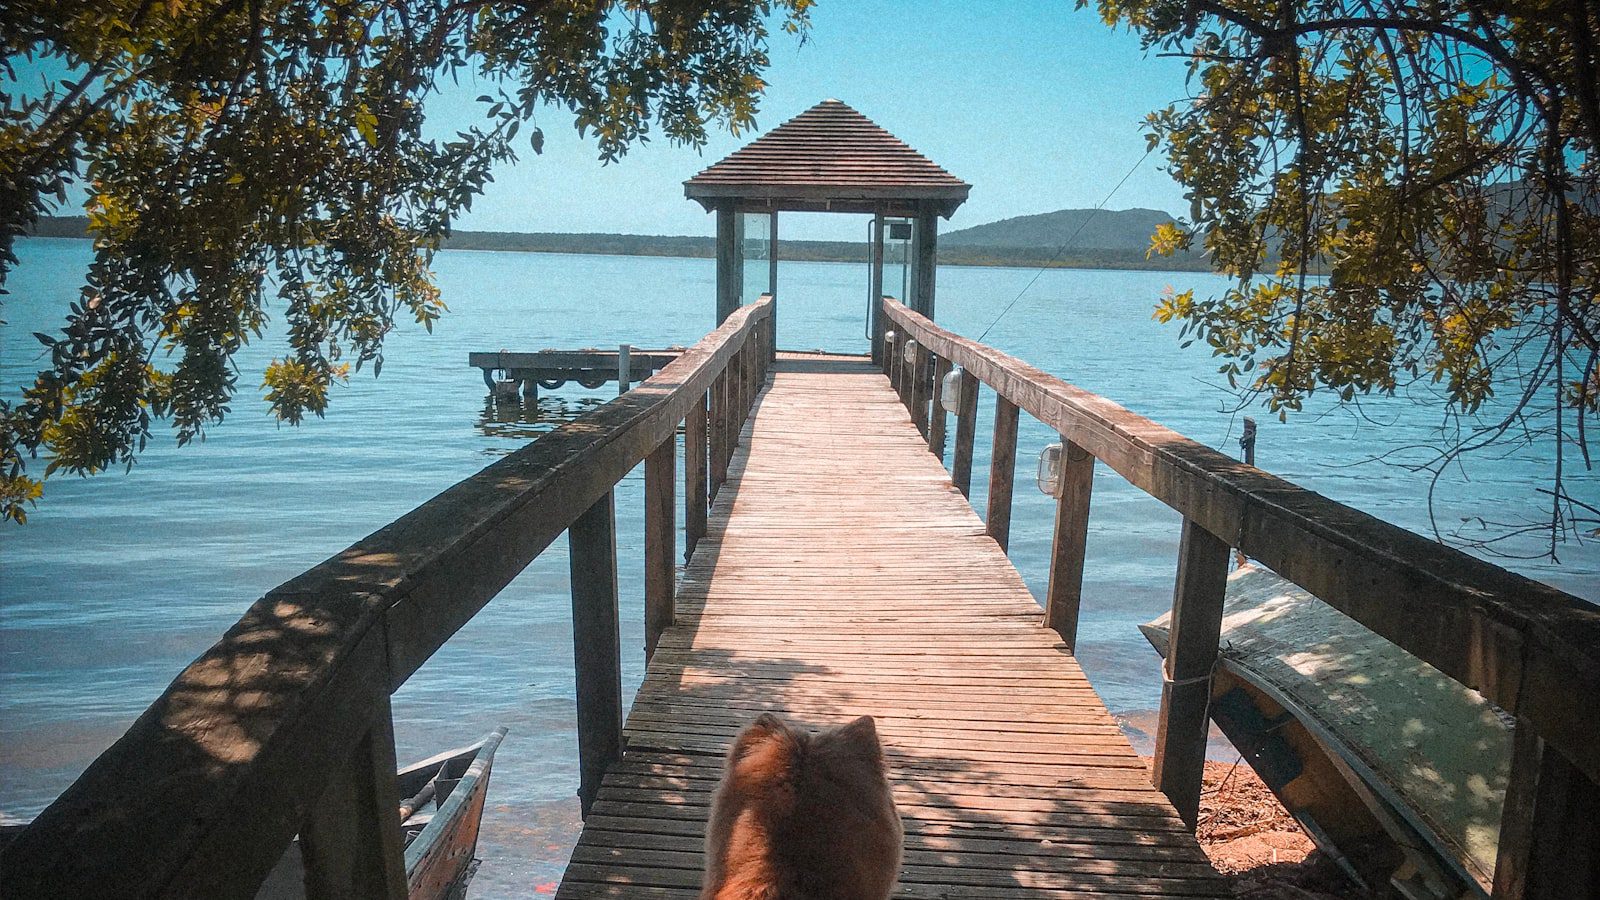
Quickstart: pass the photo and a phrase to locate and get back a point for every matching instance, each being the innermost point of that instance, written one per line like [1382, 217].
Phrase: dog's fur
[803, 817]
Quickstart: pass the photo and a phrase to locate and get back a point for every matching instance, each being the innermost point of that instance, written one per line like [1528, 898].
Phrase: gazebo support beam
[875, 289]
[926, 236]
[730, 278]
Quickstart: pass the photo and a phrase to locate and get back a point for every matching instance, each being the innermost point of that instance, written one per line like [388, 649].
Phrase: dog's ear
[861, 738]
[766, 728]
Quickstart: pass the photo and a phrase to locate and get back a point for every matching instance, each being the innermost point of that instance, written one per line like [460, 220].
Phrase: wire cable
[1063, 248]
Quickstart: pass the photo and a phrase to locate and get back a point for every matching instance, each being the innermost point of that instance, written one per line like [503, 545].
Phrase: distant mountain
[1113, 239]
[1080, 229]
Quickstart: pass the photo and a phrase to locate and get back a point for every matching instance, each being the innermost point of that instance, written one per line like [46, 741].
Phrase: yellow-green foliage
[247, 160]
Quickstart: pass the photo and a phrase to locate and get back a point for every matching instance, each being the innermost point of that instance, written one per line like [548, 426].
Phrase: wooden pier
[835, 569]
[842, 574]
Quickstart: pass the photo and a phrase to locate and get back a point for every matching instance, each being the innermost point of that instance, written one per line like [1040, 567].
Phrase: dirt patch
[1253, 841]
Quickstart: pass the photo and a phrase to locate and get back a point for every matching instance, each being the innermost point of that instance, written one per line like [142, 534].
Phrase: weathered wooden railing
[283, 727]
[1531, 649]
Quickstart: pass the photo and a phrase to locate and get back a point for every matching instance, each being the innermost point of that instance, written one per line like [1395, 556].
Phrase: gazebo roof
[832, 158]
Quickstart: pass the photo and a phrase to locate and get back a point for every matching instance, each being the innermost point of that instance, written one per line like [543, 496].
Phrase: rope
[1063, 248]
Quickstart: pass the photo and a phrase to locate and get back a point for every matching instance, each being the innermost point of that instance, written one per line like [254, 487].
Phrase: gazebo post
[875, 288]
[927, 256]
[730, 280]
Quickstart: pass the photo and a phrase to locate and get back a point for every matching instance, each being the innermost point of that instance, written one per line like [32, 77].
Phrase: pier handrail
[283, 726]
[1529, 648]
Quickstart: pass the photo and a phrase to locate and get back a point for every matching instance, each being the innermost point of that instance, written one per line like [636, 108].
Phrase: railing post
[660, 534]
[908, 375]
[1193, 631]
[596, 645]
[919, 389]
[694, 476]
[1002, 471]
[966, 432]
[350, 842]
[891, 358]
[1549, 825]
[719, 432]
[936, 424]
[1065, 593]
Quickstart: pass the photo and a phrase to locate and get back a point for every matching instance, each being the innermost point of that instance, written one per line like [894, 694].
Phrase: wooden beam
[351, 843]
[719, 433]
[660, 536]
[966, 433]
[596, 645]
[1549, 826]
[936, 425]
[919, 389]
[1191, 653]
[695, 498]
[728, 252]
[1065, 593]
[875, 288]
[926, 236]
[1002, 471]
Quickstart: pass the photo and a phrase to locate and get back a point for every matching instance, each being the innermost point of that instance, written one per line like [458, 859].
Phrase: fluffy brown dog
[803, 817]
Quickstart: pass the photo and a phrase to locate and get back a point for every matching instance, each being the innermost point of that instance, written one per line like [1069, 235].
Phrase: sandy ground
[1254, 841]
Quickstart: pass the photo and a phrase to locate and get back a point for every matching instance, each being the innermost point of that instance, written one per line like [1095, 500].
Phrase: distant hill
[1113, 239]
[1081, 229]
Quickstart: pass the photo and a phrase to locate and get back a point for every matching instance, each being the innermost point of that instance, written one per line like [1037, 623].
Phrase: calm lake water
[120, 580]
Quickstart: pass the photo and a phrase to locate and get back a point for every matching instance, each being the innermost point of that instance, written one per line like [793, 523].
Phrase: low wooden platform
[843, 575]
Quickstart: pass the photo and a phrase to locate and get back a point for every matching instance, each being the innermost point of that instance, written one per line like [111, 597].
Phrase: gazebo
[829, 158]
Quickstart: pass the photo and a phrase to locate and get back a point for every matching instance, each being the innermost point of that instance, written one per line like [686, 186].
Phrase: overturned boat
[1397, 771]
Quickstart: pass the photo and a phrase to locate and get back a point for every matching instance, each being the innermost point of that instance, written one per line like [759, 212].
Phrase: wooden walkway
[843, 575]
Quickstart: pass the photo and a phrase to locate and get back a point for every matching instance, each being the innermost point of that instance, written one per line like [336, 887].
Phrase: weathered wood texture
[596, 645]
[351, 843]
[966, 432]
[1065, 593]
[1002, 471]
[844, 575]
[205, 790]
[1528, 647]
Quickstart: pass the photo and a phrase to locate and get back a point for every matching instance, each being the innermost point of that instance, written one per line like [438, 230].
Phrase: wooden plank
[920, 368]
[1549, 826]
[695, 498]
[1067, 549]
[351, 843]
[1180, 754]
[936, 425]
[1529, 648]
[660, 537]
[1002, 471]
[596, 645]
[966, 433]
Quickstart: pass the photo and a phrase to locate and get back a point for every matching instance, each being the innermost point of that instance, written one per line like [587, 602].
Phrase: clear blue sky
[1036, 104]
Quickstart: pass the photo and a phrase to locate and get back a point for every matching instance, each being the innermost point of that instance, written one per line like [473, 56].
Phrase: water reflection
[520, 419]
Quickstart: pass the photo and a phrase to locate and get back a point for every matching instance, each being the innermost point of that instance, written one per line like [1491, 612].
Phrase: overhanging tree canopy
[247, 158]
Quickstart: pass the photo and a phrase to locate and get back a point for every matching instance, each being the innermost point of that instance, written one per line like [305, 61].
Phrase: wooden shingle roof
[829, 157]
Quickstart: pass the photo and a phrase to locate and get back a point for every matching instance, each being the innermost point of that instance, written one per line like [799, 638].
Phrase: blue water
[120, 580]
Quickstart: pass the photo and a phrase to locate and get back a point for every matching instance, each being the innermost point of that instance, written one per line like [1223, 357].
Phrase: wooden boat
[439, 815]
[1396, 771]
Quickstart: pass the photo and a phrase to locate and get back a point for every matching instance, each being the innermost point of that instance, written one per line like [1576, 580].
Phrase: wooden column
[596, 645]
[875, 289]
[660, 538]
[919, 389]
[936, 424]
[966, 432]
[694, 477]
[891, 359]
[350, 842]
[1067, 551]
[927, 256]
[1191, 653]
[719, 433]
[1549, 826]
[728, 252]
[1002, 471]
